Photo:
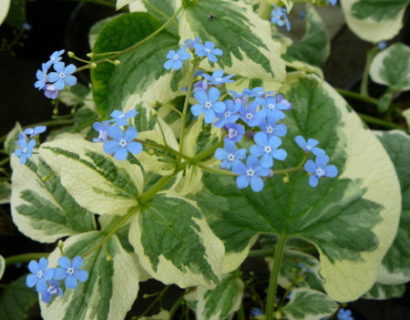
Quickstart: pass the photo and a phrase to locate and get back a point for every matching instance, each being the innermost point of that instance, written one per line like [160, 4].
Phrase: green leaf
[111, 288]
[2, 266]
[16, 300]
[245, 39]
[96, 180]
[42, 208]
[384, 101]
[95, 30]
[5, 191]
[221, 302]
[374, 20]
[391, 67]
[11, 138]
[314, 47]
[177, 245]
[308, 304]
[383, 292]
[347, 218]
[396, 263]
[140, 77]
[378, 9]
[4, 9]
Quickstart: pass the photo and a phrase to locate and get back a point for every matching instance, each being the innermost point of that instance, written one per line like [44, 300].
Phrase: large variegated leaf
[16, 300]
[245, 39]
[2, 266]
[4, 9]
[374, 20]
[96, 180]
[314, 47]
[384, 291]
[396, 263]
[308, 304]
[11, 138]
[162, 9]
[175, 244]
[113, 281]
[391, 67]
[222, 302]
[42, 208]
[140, 77]
[351, 219]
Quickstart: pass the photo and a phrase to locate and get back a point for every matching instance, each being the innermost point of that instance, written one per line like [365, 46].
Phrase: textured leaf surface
[350, 219]
[175, 244]
[4, 9]
[96, 180]
[42, 208]
[16, 300]
[377, 24]
[221, 302]
[384, 292]
[140, 77]
[308, 304]
[112, 286]
[396, 263]
[391, 67]
[314, 47]
[245, 39]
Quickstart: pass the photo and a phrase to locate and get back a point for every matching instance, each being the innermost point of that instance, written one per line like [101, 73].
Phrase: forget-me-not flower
[41, 76]
[25, 149]
[32, 132]
[55, 57]
[53, 289]
[231, 113]
[208, 104]
[175, 58]
[344, 314]
[251, 115]
[102, 128]
[229, 155]
[267, 148]
[256, 312]
[271, 127]
[218, 78]
[40, 274]
[121, 118]
[235, 132]
[309, 145]
[319, 169]
[122, 143]
[280, 17]
[70, 271]
[207, 50]
[250, 174]
[63, 75]
[50, 91]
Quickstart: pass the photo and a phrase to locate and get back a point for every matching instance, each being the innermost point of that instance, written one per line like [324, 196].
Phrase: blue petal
[115, 133]
[257, 150]
[322, 160]
[130, 134]
[77, 262]
[177, 65]
[214, 95]
[169, 64]
[134, 147]
[239, 168]
[59, 84]
[313, 181]
[331, 171]
[59, 67]
[209, 116]
[256, 183]
[111, 146]
[45, 296]
[70, 80]
[310, 166]
[220, 154]
[53, 77]
[41, 285]
[33, 266]
[64, 262]
[197, 110]
[31, 280]
[261, 139]
[280, 154]
[49, 274]
[70, 69]
[242, 181]
[81, 275]
[70, 282]
[170, 54]
[201, 96]
[212, 58]
[217, 52]
[121, 154]
[43, 263]
[60, 274]
[275, 142]
[266, 161]
[252, 162]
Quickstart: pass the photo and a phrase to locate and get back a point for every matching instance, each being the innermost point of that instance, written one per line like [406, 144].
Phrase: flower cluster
[344, 314]
[46, 280]
[280, 17]
[53, 82]
[318, 168]
[26, 143]
[117, 136]
[201, 50]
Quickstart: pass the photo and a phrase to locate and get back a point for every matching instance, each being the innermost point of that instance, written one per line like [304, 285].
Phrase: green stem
[273, 281]
[185, 109]
[358, 96]
[4, 161]
[176, 306]
[216, 170]
[25, 257]
[205, 154]
[264, 9]
[158, 186]
[364, 86]
[380, 122]
[261, 253]
[284, 171]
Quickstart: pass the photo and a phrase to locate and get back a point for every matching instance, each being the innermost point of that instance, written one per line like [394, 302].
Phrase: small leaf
[4, 9]
[384, 102]
[16, 300]
[11, 138]
[378, 10]
[308, 304]
[383, 292]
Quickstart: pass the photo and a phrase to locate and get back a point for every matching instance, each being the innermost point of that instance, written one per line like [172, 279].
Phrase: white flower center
[70, 271]
[52, 290]
[102, 135]
[250, 172]
[24, 150]
[268, 149]
[208, 105]
[249, 116]
[176, 57]
[269, 129]
[232, 133]
[231, 157]
[320, 172]
[207, 50]
[218, 79]
[271, 106]
[123, 143]
[308, 147]
[227, 114]
[40, 274]
[62, 75]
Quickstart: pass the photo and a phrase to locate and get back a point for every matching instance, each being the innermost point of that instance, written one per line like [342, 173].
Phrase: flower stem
[365, 78]
[380, 122]
[273, 281]
[25, 257]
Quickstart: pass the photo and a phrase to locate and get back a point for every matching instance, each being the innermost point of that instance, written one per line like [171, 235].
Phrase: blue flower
[309, 145]
[274, 106]
[53, 289]
[189, 43]
[218, 77]
[176, 58]
[268, 149]
[70, 271]
[121, 119]
[39, 275]
[271, 127]
[229, 155]
[382, 45]
[50, 91]
[208, 50]
[319, 169]
[280, 17]
[235, 132]
[256, 312]
[251, 115]
[201, 85]
[54, 58]
[25, 149]
[208, 104]
[63, 76]
[344, 314]
[32, 132]
[41, 76]
[122, 143]
[332, 2]
[102, 128]
[251, 173]
[230, 115]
